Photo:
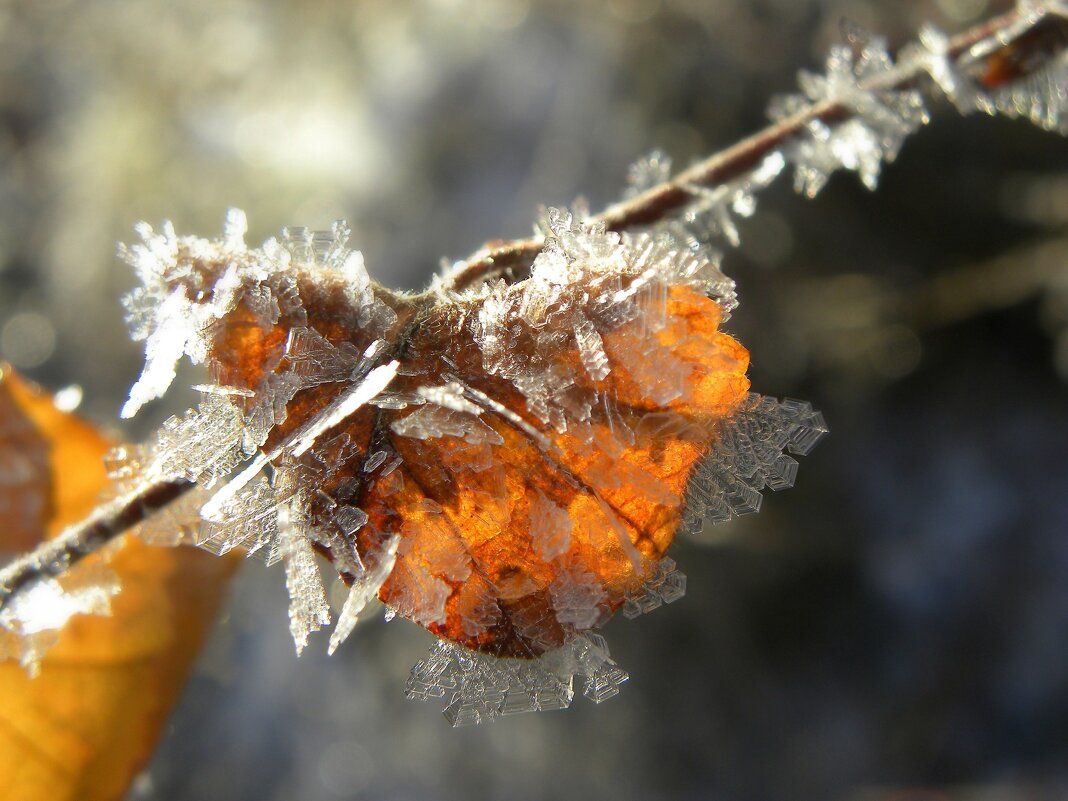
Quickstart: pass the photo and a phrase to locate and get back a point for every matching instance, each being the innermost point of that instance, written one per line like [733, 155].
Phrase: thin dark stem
[515, 257]
[107, 522]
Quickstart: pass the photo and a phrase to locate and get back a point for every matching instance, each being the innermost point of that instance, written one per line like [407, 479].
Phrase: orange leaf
[88, 723]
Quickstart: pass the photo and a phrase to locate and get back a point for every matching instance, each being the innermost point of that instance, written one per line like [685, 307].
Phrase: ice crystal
[364, 588]
[665, 586]
[475, 688]
[1041, 98]
[308, 607]
[30, 623]
[882, 118]
[933, 53]
[648, 172]
[713, 211]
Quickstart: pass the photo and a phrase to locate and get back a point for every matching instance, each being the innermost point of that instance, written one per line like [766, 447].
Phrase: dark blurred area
[895, 627]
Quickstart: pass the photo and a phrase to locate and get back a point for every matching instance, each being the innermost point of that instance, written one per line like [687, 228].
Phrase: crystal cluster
[505, 465]
[880, 120]
[859, 112]
[475, 688]
[30, 624]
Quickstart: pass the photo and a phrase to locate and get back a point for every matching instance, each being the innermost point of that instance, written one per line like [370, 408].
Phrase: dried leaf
[86, 725]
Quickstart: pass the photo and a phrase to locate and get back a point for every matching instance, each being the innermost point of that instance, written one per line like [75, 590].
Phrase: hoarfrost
[591, 351]
[577, 597]
[748, 456]
[476, 688]
[1041, 98]
[587, 359]
[31, 621]
[648, 172]
[665, 586]
[315, 360]
[883, 118]
[308, 607]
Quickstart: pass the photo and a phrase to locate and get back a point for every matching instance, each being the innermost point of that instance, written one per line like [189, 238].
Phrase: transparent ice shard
[357, 396]
[748, 456]
[364, 588]
[308, 608]
[247, 519]
[204, 445]
[666, 585]
[349, 519]
[591, 351]
[316, 360]
[432, 421]
[578, 597]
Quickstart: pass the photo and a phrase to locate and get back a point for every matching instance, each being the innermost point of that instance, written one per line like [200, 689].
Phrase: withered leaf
[85, 726]
[523, 463]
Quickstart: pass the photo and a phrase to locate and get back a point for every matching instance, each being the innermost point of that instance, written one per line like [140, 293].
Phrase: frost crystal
[476, 688]
[30, 623]
[364, 588]
[933, 54]
[1041, 98]
[1039, 93]
[749, 457]
[883, 118]
[504, 465]
[648, 172]
[713, 211]
[308, 608]
[665, 586]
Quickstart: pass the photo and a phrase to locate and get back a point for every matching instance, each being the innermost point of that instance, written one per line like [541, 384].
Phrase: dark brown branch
[107, 522]
[1029, 52]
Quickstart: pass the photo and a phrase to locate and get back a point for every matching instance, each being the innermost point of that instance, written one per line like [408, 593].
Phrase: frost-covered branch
[980, 69]
[108, 521]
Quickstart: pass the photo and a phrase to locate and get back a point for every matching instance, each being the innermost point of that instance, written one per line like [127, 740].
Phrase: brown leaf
[88, 723]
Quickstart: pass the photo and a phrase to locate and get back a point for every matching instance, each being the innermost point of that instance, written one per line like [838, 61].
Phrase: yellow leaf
[89, 722]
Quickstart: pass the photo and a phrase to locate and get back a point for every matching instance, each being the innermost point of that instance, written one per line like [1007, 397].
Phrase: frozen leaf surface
[505, 465]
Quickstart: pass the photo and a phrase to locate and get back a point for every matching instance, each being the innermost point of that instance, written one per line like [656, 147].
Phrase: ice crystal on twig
[883, 118]
[30, 624]
[1041, 98]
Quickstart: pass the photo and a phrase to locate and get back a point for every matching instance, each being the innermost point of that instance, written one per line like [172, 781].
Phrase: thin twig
[107, 522]
[671, 196]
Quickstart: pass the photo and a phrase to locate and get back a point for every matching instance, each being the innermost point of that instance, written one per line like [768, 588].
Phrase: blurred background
[895, 627]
